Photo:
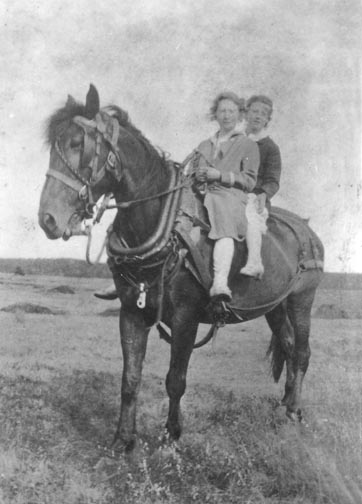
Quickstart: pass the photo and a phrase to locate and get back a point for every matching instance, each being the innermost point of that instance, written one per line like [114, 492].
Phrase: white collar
[216, 139]
[258, 136]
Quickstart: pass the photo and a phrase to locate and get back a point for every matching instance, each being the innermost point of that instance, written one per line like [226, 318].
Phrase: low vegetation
[243, 450]
[54, 267]
[60, 395]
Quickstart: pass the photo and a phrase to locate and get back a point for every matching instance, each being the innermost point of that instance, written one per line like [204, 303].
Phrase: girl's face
[258, 116]
[227, 115]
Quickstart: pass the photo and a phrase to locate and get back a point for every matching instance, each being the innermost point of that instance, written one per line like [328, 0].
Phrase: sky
[164, 61]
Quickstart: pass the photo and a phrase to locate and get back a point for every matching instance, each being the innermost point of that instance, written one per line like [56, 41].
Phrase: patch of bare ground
[62, 289]
[330, 311]
[110, 312]
[31, 308]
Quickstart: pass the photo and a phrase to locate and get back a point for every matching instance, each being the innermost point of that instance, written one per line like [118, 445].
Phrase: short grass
[60, 394]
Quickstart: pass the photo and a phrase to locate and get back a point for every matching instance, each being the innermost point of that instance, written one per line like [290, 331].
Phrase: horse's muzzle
[76, 227]
[81, 230]
[49, 226]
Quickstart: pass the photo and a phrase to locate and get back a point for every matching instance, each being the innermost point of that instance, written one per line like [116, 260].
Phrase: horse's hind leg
[134, 335]
[299, 307]
[282, 347]
[184, 329]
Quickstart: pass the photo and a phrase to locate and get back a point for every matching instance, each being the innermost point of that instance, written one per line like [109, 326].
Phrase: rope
[99, 255]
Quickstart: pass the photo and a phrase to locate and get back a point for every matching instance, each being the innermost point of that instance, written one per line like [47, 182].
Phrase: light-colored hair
[261, 99]
[226, 95]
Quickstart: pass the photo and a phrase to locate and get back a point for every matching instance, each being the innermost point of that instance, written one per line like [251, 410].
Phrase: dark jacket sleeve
[269, 169]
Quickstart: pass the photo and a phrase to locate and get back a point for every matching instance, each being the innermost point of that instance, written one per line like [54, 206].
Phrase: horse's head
[83, 165]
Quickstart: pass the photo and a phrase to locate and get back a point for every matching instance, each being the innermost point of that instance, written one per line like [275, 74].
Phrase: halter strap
[70, 182]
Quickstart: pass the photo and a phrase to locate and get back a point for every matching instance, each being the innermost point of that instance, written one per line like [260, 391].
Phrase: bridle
[84, 187]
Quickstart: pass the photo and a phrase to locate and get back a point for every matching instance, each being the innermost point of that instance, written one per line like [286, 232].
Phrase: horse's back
[308, 240]
[290, 249]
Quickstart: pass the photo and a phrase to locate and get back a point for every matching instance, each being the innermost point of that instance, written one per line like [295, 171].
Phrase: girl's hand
[208, 174]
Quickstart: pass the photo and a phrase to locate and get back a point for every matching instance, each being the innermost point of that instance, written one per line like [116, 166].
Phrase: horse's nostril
[49, 222]
[49, 225]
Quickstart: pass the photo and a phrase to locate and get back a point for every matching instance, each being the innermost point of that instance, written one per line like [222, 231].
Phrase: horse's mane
[155, 169]
[124, 121]
[60, 121]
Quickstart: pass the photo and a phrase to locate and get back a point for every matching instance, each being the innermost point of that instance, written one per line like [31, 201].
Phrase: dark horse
[162, 274]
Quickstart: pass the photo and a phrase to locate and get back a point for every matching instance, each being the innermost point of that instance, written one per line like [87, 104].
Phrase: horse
[161, 267]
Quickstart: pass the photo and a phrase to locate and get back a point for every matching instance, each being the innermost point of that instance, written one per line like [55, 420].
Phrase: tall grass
[241, 450]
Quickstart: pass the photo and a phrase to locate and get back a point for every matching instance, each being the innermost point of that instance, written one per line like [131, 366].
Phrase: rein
[127, 204]
[179, 166]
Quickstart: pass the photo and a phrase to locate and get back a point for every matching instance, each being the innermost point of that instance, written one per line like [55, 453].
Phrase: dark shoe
[224, 297]
[108, 294]
[218, 307]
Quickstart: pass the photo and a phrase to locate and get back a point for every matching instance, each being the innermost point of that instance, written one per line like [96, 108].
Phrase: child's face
[258, 116]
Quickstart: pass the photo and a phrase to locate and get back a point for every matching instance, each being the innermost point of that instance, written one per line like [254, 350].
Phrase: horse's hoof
[110, 452]
[117, 449]
[295, 416]
[172, 434]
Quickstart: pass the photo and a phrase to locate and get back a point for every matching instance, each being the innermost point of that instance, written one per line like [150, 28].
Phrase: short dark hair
[226, 95]
[262, 99]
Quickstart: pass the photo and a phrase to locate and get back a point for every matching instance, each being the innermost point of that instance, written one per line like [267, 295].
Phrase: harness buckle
[141, 301]
[89, 210]
[83, 193]
[111, 159]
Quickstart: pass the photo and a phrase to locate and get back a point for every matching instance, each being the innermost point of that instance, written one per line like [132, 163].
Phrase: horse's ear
[70, 101]
[92, 102]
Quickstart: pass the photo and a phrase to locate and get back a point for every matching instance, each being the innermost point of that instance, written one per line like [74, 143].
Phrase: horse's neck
[136, 223]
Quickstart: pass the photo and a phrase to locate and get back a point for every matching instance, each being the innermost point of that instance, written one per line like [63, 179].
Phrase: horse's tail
[277, 357]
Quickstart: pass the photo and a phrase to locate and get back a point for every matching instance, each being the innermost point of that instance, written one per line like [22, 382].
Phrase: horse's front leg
[134, 334]
[184, 329]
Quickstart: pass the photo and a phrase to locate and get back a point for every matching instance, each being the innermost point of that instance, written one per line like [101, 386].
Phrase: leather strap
[70, 182]
[199, 261]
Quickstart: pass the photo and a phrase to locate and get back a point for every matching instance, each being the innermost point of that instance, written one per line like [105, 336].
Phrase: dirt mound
[31, 308]
[63, 289]
[330, 311]
[110, 312]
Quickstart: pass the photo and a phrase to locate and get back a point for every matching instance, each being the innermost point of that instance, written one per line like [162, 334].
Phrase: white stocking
[222, 256]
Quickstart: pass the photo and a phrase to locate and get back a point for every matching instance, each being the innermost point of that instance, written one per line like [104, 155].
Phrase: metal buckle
[89, 210]
[111, 159]
[83, 193]
[141, 301]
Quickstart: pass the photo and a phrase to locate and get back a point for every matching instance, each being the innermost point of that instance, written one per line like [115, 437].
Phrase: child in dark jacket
[259, 109]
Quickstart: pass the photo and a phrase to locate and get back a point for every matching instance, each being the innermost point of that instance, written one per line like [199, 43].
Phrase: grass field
[60, 373]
